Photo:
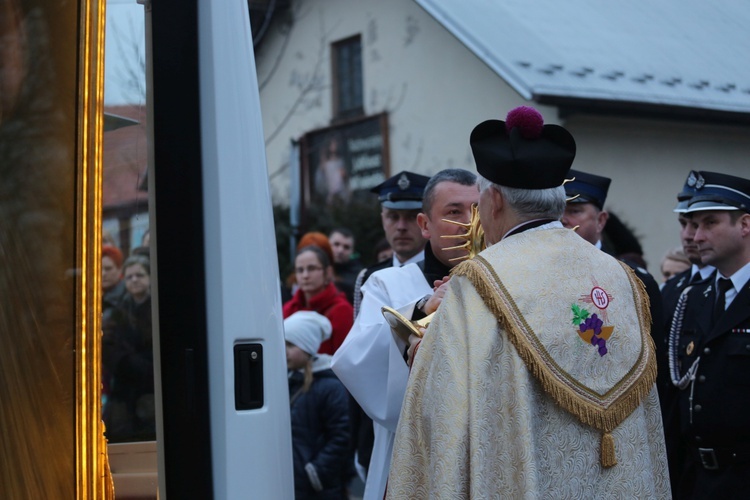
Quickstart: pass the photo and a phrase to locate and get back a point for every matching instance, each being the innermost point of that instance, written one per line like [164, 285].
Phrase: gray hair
[530, 203]
[457, 175]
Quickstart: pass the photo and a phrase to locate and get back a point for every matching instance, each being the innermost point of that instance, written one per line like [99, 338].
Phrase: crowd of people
[128, 406]
[554, 364]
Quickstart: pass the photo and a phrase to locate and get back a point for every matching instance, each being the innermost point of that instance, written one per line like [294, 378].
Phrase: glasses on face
[134, 276]
[309, 269]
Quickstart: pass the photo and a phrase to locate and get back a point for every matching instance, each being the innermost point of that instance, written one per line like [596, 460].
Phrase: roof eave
[570, 106]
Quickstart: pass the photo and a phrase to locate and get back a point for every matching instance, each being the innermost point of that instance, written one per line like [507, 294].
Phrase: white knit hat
[307, 330]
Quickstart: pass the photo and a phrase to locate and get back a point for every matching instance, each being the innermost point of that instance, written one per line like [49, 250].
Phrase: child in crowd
[319, 410]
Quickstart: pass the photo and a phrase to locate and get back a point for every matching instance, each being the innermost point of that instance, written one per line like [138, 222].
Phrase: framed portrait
[341, 162]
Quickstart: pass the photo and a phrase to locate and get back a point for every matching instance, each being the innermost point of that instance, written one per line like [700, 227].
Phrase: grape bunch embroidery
[591, 327]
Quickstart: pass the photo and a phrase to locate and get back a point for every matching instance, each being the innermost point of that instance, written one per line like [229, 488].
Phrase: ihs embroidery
[591, 328]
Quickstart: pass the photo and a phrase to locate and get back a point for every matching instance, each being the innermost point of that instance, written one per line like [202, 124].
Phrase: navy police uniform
[671, 293]
[714, 409]
[710, 354]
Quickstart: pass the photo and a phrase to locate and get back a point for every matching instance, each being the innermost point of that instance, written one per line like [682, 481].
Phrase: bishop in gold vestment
[536, 377]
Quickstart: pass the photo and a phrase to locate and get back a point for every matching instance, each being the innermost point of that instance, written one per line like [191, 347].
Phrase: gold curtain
[51, 76]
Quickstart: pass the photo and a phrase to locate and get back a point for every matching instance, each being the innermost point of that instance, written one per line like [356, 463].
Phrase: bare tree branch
[312, 85]
[132, 75]
[297, 16]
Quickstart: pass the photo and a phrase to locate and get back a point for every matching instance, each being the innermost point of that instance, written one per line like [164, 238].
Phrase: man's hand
[440, 288]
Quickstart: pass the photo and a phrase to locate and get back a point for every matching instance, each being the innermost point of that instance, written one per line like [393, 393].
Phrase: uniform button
[697, 439]
[707, 350]
[747, 347]
[697, 408]
[702, 378]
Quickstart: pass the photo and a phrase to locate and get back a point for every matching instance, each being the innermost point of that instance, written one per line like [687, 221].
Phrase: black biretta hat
[522, 152]
[587, 188]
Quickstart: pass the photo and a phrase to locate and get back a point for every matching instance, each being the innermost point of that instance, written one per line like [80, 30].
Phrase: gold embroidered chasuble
[535, 379]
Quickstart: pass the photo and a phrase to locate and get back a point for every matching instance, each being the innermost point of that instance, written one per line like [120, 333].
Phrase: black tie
[722, 287]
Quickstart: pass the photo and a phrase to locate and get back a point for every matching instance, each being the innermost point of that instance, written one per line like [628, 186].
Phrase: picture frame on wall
[341, 162]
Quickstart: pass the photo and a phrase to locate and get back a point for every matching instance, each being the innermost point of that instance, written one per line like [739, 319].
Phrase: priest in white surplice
[536, 377]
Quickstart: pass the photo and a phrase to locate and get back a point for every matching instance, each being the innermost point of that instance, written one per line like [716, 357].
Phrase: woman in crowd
[319, 410]
[316, 292]
[127, 349]
[674, 262]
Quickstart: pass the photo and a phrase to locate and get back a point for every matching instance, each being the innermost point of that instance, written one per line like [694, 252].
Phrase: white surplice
[371, 363]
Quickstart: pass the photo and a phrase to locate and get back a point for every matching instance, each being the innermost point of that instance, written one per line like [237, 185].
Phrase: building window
[347, 78]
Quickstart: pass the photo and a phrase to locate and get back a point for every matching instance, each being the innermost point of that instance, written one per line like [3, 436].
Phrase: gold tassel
[608, 451]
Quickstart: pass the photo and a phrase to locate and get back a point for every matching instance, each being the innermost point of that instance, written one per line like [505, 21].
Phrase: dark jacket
[346, 276]
[670, 294]
[669, 394]
[320, 433]
[714, 411]
[128, 363]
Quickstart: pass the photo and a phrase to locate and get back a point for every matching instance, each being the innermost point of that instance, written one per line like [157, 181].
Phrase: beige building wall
[648, 161]
[435, 91]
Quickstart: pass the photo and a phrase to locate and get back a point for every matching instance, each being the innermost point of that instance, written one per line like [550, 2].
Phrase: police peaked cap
[589, 188]
[715, 191]
[688, 190]
[403, 191]
[522, 152]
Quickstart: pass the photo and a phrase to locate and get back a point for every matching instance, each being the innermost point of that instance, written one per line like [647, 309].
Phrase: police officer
[401, 201]
[709, 346]
[673, 288]
[698, 271]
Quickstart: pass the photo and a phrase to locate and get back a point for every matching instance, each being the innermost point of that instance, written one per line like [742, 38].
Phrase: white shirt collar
[739, 278]
[417, 258]
[705, 271]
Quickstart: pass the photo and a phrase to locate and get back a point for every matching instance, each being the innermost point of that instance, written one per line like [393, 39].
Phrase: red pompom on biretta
[528, 120]
[522, 152]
